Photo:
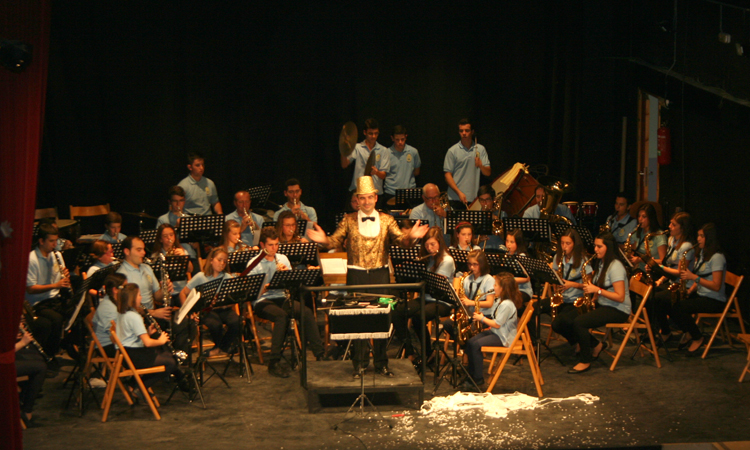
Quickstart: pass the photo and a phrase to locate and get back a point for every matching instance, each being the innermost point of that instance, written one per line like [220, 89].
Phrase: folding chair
[637, 320]
[96, 347]
[251, 315]
[88, 211]
[119, 372]
[521, 345]
[746, 339]
[732, 309]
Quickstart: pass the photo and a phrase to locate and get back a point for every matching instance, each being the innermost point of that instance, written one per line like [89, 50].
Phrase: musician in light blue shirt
[361, 154]
[404, 164]
[293, 192]
[250, 223]
[463, 164]
[534, 212]
[200, 192]
[113, 224]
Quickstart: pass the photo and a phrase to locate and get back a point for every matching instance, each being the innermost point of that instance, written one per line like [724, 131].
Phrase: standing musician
[286, 229]
[648, 223]
[214, 268]
[706, 292]
[370, 235]
[292, 193]
[230, 237]
[463, 237]
[200, 192]
[361, 154]
[440, 262]
[45, 278]
[621, 223]
[681, 241]
[250, 223]
[404, 164]
[502, 321]
[168, 244]
[430, 212]
[463, 164]
[486, 196]
[176, 198]
[113, 225]
[534, 212]
[610, 293]
[568, 260]
[270, 304]
[143, 350]
[106, 312]
[29, 362]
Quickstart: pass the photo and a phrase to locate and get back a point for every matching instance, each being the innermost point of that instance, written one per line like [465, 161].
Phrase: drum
[518, 188]
[589, 209]
[573, 207]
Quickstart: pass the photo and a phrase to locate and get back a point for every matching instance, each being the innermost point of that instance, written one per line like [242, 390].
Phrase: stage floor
[689, 400]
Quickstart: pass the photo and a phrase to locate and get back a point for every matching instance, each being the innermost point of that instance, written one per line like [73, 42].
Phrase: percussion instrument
[370, 163]
[348, 138]
[517, 186]
[573, 207]
[589, 209]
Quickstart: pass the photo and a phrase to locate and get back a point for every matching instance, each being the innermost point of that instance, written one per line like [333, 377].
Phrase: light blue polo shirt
[144, 277]
[616, 272]
[459, 161]
[360, 155]
[534, 212]
[199, 195]
[309, 210]
[269, 268]
[42, 271]
[402, 166]
[130, 327]
[425, 214]
[717, 263]
[247, 234]
[505, 315]
[105, 313]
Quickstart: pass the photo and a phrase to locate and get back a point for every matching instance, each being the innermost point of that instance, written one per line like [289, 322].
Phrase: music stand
[408, 197]
[291, 280]
[480, 220]
[339, 217]
[148, 236]
[540, 272]
[300, 253]
[200, 228]
[409, 271]
[237, 261]
[400, 254]
[459, 258]
[260, 194]
[536, 230]
[176, 265]
[495, 260]
[117, 252]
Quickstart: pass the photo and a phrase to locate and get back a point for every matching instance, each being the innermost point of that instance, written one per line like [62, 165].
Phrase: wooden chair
[521, 345]
[119, 372]
[44, 213]
[746, 339]
[97, 355]
[250, 315]
[732, 309]
[637, 320]
[88, 211]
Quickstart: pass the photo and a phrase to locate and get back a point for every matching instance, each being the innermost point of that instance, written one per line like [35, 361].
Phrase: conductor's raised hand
[316, 234]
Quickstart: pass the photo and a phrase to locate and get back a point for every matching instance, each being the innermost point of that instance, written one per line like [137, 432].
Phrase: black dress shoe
[604, 347]
[468, 386]
[385, 372]
[276, 370]
[575, 371]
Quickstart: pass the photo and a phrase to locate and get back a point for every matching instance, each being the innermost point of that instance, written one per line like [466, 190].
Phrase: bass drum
[518, 187]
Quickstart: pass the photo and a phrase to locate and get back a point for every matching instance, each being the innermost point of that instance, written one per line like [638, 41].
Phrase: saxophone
[678, 289]
[557, 298]
[471, 328]
[646, 257]
[586, 303]
[630, 248]
[461, 316]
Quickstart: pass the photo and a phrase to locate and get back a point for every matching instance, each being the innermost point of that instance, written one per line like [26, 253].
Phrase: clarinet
[179, 355]
[61, 265]
[34, 342]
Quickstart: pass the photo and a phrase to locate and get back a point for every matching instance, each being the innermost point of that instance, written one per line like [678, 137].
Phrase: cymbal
[348, 138]
[549, 180]
[142, 215]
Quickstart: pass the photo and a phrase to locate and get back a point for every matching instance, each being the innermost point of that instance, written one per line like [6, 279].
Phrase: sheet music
[190, 301]
[333, 266]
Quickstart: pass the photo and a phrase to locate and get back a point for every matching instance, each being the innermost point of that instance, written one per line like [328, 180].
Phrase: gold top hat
[365, 185]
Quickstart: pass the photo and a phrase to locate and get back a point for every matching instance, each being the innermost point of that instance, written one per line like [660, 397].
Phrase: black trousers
[30, 363]
[575, 327]
[412, 310]
[361, 351]
[47, 328]
[215, 321]
[145, 357]
[682, 313]
[273, 311]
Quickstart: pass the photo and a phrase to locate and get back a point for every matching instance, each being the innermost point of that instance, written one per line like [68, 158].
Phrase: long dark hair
[127, 299]
[711, 246]
[280, 228]
[114, 280]
[157, 244]
[509, 287]
[578, 251]
[653, 221]
[459, 227]
[437, 234]
[484, 266]
[609, 241]
[688, 232]
[520, 241]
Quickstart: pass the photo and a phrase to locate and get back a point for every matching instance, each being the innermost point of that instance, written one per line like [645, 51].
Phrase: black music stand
[409, 271]
[459, 259]
[496, 260]
[148, 236]
[439, 287]
[408, 198]
[176, 266]
[291, 280]
[237, 261]
[79, 378]
[540, 272]
[481, 220]
[300, 253]
[339, 217]
[201, 229]
[534, 230]
[400, 254]
[260, 194]
[117, 252]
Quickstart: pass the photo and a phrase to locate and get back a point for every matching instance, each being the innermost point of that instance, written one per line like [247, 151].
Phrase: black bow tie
[368, 218]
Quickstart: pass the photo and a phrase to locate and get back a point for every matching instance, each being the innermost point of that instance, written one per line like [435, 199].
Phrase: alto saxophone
[557, 298]
[629, 247]
[461, 316]
[678, 289]
[585, 303]
[472, 327]
[646, 257]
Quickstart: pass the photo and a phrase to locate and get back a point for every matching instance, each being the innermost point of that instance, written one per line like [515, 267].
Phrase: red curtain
[22, 98]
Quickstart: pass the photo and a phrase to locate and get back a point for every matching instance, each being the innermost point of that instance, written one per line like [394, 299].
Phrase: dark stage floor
[689, 400]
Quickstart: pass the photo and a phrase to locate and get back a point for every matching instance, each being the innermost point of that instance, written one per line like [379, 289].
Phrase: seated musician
[292, 193]
[681, 242]
[106, 312]
[286, 229]
[516, 245]
[370, 235]
[176, 198]
[706, 287]
[610, 293]
[534, 212]
[102, 255]
[648, 224]
[231, 238]
[567, 263]
[168, 244]
[214, 268]
[30, 363]
[45, 278]
[270, 304]
[477, 285]
[200, 192]
[486, 196]
[463, 237]
[440, 262]
[113, 225]
[250, 223]
[621, 223]
[502, 320]
[430, 211]
[143, 350]
[62, 243]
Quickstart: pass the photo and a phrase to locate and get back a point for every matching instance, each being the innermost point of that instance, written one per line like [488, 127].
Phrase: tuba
[443, 202]
[552, 196]
[587, 302]
[497, 224]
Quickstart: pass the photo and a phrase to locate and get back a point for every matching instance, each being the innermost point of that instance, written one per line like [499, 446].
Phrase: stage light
[15, 55]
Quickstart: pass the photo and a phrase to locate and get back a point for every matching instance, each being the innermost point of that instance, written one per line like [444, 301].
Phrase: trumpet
[253, 226]
[296, 209]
